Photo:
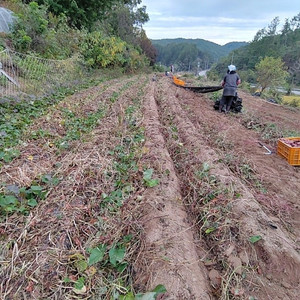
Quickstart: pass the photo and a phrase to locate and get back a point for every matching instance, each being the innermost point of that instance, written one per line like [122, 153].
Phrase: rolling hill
[209, 49]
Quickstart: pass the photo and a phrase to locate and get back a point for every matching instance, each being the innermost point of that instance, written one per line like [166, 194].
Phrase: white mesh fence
[6, 19]
[25, 74]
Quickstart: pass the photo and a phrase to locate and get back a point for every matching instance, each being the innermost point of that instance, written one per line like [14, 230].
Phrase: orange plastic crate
[292, 154]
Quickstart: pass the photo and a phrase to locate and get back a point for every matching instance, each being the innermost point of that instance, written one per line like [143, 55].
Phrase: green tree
[37, 30]
[273, 42]
[259, 35]
[271, 73]
[125, 20]
[147, 47]
[272, 27]
[285, 32]
[85, 13]
[188, 56]
[295, 23]
[185, 56]
[101, 52]
[80, 13]
[30, 27]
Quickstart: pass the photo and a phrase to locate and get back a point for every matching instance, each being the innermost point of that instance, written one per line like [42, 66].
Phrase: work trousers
[227, 101]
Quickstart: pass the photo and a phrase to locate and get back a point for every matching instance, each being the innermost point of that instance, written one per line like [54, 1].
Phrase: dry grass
[208, 203]
[41, 252]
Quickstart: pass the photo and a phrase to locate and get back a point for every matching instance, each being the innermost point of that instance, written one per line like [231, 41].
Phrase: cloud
[154, 13]
[214, 20]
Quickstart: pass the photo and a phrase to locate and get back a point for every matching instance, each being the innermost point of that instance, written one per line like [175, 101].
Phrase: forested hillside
[103, 32]
[272, 41]
[188, 54]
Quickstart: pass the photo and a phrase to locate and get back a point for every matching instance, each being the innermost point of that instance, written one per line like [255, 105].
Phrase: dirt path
[173, 192]
[169, 251]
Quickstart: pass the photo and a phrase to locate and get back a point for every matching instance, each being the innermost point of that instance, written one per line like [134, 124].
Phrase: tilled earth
[210, 215]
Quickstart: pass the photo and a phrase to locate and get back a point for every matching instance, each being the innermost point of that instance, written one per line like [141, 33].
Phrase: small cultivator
[236, 105]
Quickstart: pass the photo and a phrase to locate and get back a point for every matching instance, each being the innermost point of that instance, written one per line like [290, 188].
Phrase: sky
[214, 20]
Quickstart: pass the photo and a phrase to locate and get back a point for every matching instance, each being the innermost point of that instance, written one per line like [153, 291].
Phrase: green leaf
[152, 182]
[255, 238]
[122, 266]
[210, 230]
[22, 209]
[147, 175]
[32, 202]
[36, 189]
[116, 255]
[81, 265]
[79, 284]
[127, 238]
[128, 296]
[8, 200]
[48, 179]
[97, 254]
[159, 289]
[23, 191]
[67, 280]
[205, 167]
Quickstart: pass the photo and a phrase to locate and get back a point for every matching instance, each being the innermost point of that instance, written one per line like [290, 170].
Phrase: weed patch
[17, 114]
[15, 199]
[91, 211]
[270, 132]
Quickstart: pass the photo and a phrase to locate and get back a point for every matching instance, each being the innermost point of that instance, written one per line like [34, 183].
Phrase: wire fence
[22, 74]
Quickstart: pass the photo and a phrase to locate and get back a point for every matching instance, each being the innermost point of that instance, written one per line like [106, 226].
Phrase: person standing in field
[230, 84]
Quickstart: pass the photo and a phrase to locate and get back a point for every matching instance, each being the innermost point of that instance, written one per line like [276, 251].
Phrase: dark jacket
[230, 83]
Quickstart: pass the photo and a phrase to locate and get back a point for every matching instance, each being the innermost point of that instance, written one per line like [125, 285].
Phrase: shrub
[37, 30]
[101, 51]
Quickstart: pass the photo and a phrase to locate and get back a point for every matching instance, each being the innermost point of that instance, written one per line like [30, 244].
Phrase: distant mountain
[209, 49]
[233, 46]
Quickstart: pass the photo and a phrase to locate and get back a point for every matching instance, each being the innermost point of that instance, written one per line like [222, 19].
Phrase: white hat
[231, 68]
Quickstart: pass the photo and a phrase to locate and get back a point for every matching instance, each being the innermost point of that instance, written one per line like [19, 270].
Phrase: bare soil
[223, 222]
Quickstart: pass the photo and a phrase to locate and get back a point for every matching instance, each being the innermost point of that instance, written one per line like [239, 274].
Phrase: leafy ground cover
[138, 189]
[17, 115]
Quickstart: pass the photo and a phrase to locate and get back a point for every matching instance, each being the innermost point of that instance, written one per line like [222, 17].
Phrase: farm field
[138, 189]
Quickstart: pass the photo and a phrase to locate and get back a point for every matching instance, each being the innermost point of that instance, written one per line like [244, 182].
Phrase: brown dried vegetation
[223, 222]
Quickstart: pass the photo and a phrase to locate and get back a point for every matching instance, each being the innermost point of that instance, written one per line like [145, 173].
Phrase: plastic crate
[292, 154]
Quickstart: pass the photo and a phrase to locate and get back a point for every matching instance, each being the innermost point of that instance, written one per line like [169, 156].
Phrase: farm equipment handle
[196, 89]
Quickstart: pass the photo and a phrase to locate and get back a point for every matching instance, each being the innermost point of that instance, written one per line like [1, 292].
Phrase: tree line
[191, 54]
[271, 48]
[185, 56]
